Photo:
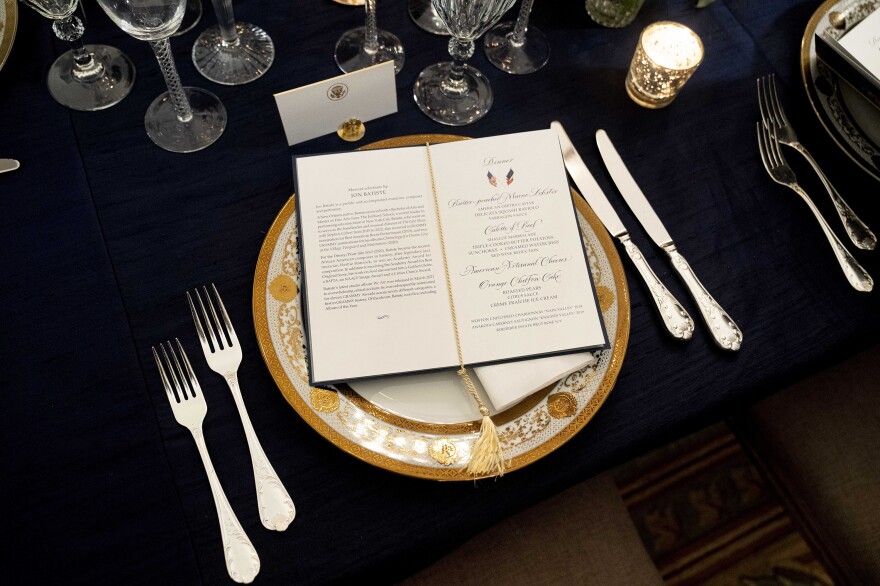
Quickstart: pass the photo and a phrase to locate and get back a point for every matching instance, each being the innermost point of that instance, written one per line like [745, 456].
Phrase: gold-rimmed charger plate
[8, 25]
[439, 451]
[851, 121]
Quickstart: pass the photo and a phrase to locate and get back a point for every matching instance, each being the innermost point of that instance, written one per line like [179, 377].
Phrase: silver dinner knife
[677, 321]
[8, 165]
[724, 331]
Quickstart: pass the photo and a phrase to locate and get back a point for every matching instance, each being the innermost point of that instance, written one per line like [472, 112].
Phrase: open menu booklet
[378, 299]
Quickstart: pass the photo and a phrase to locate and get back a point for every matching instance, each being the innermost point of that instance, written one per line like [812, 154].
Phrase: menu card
[377, 296]
[855, 57]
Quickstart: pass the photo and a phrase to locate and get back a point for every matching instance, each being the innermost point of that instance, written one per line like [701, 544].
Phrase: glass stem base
[233, 63]
[517, 58]
[351, 53]
[89, 93]
[465, 107]
[423, 14]
[168, 131]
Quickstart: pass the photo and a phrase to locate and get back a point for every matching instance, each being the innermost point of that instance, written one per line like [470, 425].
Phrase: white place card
[320, 108]
[863, 43]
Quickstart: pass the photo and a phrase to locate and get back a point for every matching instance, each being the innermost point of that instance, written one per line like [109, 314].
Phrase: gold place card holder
[666, 56]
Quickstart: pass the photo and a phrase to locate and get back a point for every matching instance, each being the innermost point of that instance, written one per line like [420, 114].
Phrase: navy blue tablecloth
[101, 232]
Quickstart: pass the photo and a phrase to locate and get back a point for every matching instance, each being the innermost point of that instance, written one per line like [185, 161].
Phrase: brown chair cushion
[583, 536]
[819, 440]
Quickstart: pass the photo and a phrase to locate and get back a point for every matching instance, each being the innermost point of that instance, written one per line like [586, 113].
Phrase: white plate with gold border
[8, 25]
[851, 120]
[396, 431]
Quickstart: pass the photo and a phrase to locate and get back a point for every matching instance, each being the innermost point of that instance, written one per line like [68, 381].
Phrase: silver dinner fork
[189, 408]
[223, 353]
[774, 162]
[772, 114]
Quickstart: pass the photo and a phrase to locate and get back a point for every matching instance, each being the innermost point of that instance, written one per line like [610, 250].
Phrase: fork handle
[857, 276]
[855, 228]
[676, 319]
[242, 561]
[276, 506]
[725, 333]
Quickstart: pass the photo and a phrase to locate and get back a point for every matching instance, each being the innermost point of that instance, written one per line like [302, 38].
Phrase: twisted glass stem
[461, 50]
[162, 49]
[226, 21]
[371, 42]
[85, 66]
[518, 37]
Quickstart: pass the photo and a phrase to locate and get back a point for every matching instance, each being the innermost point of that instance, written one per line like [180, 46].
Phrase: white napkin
[509, 383]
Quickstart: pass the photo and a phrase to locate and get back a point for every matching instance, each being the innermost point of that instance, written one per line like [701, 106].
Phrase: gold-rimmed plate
[8, 25]
[851, 120]
[411, 445]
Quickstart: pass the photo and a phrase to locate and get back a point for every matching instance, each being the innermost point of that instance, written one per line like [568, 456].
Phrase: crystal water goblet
[516, 47]
[426, 18]
[368, 45]
[232, 53]
[88, 77]
[191, 17]
[183, 119]
[455, 93]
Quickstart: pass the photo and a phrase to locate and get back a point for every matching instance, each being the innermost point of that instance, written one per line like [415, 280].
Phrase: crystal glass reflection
[191, 17]
[232, 53]
[426, 18]
[456, 93]
[88, 77]
[516, 47]
[368, 45]
[183, 119]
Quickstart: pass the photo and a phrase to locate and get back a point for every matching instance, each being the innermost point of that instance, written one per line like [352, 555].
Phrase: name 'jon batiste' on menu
[376, 295]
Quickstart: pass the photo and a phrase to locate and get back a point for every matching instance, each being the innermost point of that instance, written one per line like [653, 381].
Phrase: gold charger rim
[305, 411]
[809, 87]
[7, 35]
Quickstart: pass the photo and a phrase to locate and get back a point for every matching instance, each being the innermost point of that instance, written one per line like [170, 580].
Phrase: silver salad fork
[189, 408]
[223, 353]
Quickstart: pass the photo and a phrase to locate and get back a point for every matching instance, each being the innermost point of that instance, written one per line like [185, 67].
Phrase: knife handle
[676, 319]
[724, 331]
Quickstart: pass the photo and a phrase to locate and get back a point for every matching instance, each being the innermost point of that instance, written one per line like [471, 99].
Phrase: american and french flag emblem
[494, 182]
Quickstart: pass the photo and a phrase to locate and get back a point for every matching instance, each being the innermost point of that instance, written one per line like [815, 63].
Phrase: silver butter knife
[725, 332]
[677, 321]
[8, 165]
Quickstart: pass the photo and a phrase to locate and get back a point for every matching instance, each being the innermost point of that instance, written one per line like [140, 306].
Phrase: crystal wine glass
[88, 77]
[515, 47]
[457, 93]
[423, 14]
[232, 53]
[368, 45]
[183, 119]
[191, 17]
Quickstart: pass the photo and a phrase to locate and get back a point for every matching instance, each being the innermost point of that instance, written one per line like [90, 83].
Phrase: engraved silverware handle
[677, 321]
[857, 276]
[242, 561]
[276, 506]
[858, 232]
[725, 332]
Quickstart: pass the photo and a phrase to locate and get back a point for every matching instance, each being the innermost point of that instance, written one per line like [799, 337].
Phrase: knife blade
[8, 165]
[723, 329]
[675, 318]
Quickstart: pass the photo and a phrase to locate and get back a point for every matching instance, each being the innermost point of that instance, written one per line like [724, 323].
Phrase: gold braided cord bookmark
[487, 457]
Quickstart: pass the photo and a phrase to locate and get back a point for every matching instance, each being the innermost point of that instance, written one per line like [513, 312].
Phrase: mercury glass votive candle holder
[667, 55]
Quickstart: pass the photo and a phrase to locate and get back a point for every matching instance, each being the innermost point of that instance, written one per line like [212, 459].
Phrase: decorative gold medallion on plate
[418, 447]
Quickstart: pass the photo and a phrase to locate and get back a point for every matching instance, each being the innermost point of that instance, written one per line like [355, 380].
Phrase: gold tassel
[487, 457]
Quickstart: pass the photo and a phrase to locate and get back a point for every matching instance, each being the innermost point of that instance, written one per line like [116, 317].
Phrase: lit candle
[667, 55]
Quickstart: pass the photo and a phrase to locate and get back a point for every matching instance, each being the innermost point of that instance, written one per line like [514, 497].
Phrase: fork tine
[202, 338]
[762, 103]
[178, 382]
[761, 147]
[230, 331]
[164, 377]
[776, 150]
[208, 325]
[771, 118]
[777, 105]
[193, 381]
[220, 332]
